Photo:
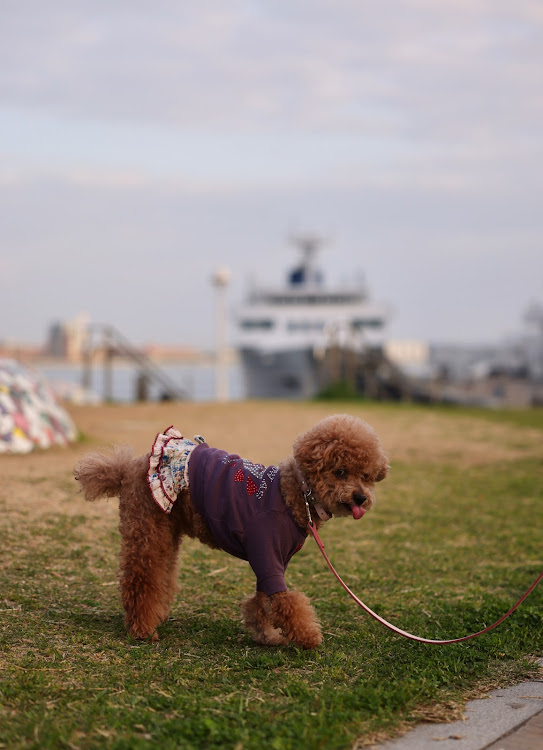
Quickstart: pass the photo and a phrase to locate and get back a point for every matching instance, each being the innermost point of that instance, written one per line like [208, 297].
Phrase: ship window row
[263, 324]
[305, 325]
[266, 324]
[319, 325]
[311, 299]
[367, 323]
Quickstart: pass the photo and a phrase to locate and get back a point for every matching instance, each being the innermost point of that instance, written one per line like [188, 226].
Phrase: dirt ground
[42, 482]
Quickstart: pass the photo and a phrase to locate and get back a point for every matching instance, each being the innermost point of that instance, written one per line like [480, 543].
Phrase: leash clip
[307, 497]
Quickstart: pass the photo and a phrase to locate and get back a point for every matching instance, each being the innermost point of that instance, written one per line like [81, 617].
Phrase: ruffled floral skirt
[168, 471]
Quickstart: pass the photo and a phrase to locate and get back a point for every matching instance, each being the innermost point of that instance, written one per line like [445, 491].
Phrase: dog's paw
[269, 636]
[140, 633]
[311, 640]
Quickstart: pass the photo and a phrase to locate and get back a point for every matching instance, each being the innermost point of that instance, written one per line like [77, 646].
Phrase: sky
[146, 143]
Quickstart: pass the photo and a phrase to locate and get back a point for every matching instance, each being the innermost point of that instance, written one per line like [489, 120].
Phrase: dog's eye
[340, 473]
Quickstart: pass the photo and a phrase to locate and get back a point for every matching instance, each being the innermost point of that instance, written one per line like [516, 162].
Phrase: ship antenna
[309, 244]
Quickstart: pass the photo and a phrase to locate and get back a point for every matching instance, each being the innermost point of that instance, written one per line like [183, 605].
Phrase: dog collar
[309, 498]
[322, 512]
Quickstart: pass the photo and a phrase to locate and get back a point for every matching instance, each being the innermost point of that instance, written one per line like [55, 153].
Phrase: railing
[113, 344]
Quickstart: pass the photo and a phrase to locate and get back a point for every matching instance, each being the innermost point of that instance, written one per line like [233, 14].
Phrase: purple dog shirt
[242, 505]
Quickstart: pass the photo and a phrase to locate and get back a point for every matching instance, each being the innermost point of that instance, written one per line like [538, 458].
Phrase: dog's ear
[383, 471]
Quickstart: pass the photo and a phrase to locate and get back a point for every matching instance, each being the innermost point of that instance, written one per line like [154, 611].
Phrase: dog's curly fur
[340, 458]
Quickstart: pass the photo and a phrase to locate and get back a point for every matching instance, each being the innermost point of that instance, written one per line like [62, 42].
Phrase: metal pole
[86, 374]
[108, 365]
[221, 279]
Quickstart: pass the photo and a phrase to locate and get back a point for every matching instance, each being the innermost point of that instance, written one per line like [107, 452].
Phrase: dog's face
[341, 459]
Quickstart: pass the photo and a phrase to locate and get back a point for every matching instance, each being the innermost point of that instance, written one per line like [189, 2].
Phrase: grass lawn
[455, 538]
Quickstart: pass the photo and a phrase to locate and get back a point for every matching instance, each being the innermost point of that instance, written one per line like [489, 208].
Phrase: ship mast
[309, 244]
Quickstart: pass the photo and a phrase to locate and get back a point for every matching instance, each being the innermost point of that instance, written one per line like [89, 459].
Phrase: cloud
[140, 256]
[199, 134]
[412, 67]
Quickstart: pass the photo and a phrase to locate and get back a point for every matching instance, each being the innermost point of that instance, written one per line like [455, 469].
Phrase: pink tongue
[358, 511]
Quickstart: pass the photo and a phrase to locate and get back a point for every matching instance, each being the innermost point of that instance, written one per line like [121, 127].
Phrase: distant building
[518, 358]
[509, 373]
[412, 357]
[56, 341]
[67, 340]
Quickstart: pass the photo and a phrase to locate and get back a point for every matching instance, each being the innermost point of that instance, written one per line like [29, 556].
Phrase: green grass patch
[521, 417]
[341, 395]
[445, 552]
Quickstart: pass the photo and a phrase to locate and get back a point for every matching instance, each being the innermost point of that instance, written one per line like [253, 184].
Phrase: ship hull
[289, 374]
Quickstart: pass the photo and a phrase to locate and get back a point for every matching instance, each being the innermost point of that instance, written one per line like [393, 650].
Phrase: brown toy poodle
[257, 513]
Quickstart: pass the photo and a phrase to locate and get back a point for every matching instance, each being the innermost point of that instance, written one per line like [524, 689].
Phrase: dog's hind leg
[285, 617]
[148, 562]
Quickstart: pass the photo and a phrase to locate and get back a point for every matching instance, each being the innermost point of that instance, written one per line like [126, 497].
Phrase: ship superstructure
[283, 334]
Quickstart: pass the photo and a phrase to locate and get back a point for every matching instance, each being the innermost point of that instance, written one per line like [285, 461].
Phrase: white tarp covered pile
[30, 415]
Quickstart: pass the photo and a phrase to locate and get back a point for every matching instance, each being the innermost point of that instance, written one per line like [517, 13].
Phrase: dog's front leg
[285, 617]
[256, 617]
[292, 613]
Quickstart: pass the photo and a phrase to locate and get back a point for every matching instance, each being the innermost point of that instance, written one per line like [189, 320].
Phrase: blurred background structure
[143, 147]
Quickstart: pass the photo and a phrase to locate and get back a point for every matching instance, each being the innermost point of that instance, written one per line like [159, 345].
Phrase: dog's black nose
[359, 498]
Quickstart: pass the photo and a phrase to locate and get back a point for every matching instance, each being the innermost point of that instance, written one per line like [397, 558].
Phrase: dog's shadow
[202, 630]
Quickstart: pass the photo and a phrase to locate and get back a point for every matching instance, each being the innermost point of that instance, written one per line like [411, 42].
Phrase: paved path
[508, 719]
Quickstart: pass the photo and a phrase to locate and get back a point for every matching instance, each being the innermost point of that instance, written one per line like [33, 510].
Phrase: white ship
[284, 334]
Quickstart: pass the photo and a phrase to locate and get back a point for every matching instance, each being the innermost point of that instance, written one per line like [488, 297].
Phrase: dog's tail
[101, 475]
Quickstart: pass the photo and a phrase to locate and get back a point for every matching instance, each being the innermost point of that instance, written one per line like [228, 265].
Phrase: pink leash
[389, 625]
